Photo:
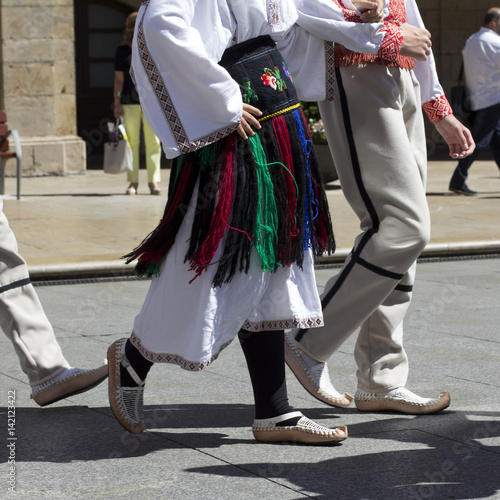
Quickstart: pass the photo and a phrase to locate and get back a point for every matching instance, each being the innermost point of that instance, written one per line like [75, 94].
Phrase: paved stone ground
[86, 220]
[198, 444]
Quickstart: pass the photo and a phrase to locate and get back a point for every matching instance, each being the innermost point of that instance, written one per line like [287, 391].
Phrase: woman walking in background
[127, 105]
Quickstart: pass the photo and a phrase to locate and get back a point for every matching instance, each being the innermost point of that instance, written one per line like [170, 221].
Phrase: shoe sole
[299, 372]
[458, 191]
[403, 407]
[81, 385]
[298, 436]
[114, 383]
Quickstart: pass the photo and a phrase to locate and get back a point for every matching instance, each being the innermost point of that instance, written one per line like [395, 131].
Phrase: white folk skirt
[188, 322]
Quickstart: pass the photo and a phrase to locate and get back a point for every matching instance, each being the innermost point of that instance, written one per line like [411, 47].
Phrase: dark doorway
[99, 29]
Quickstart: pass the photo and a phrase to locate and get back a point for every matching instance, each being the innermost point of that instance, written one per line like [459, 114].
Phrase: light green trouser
[132, 118]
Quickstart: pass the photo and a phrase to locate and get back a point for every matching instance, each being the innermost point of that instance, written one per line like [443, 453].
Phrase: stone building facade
[56, 71]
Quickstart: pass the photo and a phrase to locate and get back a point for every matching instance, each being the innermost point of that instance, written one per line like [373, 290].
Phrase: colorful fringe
[245, 201]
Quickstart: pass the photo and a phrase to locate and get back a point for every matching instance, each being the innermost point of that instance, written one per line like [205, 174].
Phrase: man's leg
[495, 144]
[22, 317]
[376, 133]
[23, 320]
[485, 130]
[380, 153]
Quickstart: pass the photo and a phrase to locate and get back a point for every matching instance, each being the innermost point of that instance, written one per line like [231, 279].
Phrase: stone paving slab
[199, 446]
[87, 222]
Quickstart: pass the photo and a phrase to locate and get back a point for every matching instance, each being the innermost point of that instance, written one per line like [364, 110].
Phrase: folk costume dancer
[247, 210]
[383, 179]
[25, 323]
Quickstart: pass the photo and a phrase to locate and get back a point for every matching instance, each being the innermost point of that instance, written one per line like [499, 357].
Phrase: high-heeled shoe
[154, 189]
[132, 189]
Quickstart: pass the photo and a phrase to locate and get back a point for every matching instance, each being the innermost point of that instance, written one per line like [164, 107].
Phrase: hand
[457, 136]
[118, 110]
[371, 11]
[248, 121]
[416, 42]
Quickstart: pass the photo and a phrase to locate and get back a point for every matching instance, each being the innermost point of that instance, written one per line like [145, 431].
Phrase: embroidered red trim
[437, 108]
[389, 50]
[349, 14]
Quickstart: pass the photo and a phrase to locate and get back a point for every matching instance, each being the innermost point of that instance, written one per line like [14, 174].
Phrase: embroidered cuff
[437, 108]
[391, 45]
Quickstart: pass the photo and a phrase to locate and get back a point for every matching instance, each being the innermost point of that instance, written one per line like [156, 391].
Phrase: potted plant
[321, 147]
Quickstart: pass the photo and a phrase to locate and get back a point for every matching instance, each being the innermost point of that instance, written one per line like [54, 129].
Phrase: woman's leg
[132, 122]
[127, 375]
[153, 153]
[275, 420]
[265, 356]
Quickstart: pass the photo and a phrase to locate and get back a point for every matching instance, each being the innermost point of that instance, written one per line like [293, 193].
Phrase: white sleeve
[425, 71]
[325, 19]
[309, 63]
[187, 98]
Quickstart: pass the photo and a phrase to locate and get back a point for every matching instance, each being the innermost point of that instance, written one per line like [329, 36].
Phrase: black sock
[265, 356]
[139, 363]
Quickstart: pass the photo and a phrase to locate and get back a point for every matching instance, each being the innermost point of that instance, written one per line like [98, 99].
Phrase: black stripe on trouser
[404, 288]
[355, 254]
[15, 284]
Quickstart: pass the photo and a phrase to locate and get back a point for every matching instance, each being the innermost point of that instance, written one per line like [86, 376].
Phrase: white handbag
[117, 152]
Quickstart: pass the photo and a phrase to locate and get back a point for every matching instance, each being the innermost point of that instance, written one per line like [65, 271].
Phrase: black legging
[265, 355]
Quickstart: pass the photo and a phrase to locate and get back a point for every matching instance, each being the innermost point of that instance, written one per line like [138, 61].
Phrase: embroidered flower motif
[247, 92]
[273, 79]
[287, 72]
[269, 79]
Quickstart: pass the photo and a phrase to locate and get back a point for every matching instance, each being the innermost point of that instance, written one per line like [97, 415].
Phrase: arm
[341, 21]
[456, 135]
[330, 20]
[187, 98]
[117, 91]
[435, 104]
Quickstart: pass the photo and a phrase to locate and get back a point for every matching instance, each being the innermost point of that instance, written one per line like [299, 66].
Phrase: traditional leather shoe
[305, 431]
[313, 376]
[126, 402]
[400, 400]
[463, 189]
[73, 381]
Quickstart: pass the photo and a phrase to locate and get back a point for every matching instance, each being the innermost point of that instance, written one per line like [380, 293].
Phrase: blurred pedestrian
[127, 106]
[23, 320]
[481, 59]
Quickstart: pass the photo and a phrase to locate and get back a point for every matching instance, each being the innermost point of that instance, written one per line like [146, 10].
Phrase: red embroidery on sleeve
[349, 14]
[397, 12]
[437, 108]
[391, 45]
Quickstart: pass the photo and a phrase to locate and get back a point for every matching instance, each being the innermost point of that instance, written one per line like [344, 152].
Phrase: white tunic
[188, 99]
[482, 68]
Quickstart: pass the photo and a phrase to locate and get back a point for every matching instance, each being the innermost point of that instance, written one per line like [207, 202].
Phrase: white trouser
[21, 315]
[376, 133]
